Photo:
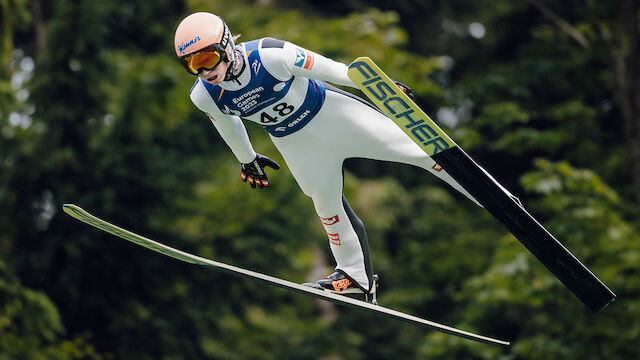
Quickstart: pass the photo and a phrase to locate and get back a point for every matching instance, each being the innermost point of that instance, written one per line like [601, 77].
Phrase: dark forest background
[94, 110]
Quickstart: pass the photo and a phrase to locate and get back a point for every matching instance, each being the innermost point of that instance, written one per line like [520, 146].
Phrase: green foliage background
[94, 111]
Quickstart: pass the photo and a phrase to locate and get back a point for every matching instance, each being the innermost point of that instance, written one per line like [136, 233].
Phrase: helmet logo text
[183, 46]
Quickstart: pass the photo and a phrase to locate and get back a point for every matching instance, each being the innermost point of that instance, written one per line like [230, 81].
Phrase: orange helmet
[202, 41]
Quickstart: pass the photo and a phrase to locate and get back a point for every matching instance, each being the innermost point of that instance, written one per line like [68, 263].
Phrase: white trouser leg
[346, 128]
[358, 130]
[318, 171]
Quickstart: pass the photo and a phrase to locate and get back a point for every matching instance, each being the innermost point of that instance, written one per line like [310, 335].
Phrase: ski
[505, 207]
[84, 216]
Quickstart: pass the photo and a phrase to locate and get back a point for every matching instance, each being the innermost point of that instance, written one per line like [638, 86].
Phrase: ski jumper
[315, 127]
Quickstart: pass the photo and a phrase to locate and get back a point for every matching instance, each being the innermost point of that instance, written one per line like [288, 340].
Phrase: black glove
[405, 89]
[254, 171]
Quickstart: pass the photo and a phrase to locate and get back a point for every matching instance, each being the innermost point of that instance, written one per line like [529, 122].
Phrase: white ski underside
[82, 215]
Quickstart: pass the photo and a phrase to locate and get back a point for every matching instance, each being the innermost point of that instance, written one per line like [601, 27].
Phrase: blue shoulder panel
[264, 90]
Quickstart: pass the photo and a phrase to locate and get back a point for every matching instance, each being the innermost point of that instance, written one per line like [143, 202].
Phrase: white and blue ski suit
[315, 127]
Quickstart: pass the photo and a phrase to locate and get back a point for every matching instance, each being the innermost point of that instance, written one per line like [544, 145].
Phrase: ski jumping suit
[315, 127]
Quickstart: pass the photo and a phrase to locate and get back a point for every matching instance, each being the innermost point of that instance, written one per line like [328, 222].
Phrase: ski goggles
[207, 59]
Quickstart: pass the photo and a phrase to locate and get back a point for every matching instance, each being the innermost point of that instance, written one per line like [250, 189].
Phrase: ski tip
[71, 209]
[68, 206]
[361, 59]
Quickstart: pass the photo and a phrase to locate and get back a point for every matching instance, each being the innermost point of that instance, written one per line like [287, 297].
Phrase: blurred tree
[15, 17]
[31, 327]
[578, 109]
[543, 316]
[626, 59]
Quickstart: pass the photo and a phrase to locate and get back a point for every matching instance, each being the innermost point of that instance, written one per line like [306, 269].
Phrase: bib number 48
[281, 109]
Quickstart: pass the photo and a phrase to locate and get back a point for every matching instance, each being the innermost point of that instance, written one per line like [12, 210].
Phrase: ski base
[103, 225]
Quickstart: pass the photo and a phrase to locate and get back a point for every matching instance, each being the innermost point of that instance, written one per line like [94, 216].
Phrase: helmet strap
[231, 73]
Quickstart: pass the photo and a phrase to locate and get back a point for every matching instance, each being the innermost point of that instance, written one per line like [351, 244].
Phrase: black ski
[476, 181]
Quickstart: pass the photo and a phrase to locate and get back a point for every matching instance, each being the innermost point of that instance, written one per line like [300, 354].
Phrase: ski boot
[340, 283]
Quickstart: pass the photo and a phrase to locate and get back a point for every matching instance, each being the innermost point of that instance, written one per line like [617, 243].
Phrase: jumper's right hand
[254, 173]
